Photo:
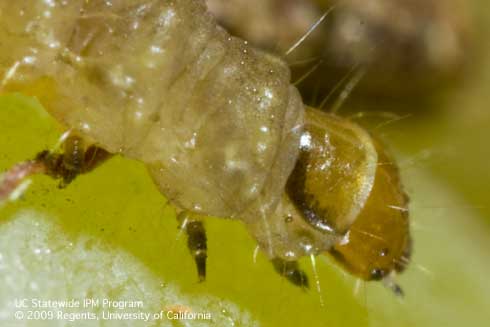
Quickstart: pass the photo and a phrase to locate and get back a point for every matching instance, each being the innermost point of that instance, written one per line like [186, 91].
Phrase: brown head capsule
[344, 197]
[215, 120]
[378, 243]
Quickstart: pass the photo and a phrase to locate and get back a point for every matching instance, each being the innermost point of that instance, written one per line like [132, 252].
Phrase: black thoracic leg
[196, 241]
[75, 159]
[291, 270]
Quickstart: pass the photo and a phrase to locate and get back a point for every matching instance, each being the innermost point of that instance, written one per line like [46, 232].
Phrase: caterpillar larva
[215, 120]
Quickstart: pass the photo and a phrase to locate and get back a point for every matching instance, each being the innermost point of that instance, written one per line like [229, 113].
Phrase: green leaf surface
[111, 234]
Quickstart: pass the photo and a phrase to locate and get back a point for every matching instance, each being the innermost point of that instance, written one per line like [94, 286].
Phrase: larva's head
[344, 183]
[378, 243]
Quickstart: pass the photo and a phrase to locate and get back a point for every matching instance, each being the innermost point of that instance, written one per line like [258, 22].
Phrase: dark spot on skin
[377, 274]
[154, 117]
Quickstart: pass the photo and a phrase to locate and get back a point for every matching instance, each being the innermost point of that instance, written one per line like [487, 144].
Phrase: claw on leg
[196, 242]
[389, 282]
[291, 270]
[75, 160]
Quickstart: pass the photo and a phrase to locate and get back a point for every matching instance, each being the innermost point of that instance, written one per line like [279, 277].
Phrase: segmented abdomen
[215, 120]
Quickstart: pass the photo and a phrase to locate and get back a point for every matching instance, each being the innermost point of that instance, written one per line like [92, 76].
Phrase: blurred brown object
[269, 24]
[403, 49]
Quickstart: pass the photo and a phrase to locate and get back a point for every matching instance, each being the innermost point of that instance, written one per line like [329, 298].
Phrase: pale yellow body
[216, 121]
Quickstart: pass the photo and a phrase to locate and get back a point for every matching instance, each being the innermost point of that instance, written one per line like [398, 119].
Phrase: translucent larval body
[215, 120]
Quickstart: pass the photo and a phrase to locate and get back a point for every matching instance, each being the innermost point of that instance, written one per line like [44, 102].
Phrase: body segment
[160, 82]
[216, 122]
